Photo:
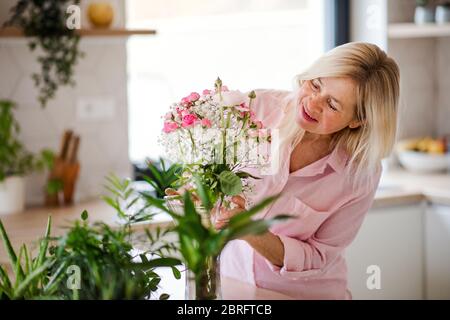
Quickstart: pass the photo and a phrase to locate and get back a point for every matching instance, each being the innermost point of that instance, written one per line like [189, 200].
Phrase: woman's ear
[356, 124]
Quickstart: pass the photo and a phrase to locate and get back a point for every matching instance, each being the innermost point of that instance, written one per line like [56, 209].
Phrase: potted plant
[423, 13]
[443, 13]
[107, 266]
[44, 21]
[15, 161]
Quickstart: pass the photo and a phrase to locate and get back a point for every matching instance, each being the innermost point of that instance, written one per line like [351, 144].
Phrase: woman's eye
[314, 85]
[332, 107]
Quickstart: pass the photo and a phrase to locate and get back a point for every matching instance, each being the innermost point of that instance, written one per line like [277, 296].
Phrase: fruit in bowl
[423, 155]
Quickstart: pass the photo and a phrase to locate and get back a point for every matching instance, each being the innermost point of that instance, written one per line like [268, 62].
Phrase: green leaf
[176, 273]
[203, 194]
[160, 262]
[84, 215]
[31, 277]
[230, 183]
[44, 243]
[5, 279]
[9, 249]
[164, 296]
[245, 175]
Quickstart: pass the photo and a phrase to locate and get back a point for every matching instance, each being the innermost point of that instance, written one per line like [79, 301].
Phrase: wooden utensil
[71, 170]
[56, 173]
[65, 169]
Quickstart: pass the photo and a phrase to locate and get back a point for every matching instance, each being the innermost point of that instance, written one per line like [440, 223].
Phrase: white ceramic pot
[442, 14]
[12, 195]
[423, 15]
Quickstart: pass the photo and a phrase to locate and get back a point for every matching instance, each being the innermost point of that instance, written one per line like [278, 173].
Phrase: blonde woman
[335, 127]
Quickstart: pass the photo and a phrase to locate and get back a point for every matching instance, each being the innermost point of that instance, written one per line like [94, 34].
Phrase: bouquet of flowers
[215, 136]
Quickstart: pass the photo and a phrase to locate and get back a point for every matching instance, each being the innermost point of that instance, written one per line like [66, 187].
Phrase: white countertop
[400, 186]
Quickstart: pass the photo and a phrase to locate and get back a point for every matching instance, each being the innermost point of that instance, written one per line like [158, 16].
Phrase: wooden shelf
[11, 32]
[412, 30]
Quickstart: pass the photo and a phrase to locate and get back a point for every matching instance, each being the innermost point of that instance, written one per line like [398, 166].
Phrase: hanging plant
[44, 21]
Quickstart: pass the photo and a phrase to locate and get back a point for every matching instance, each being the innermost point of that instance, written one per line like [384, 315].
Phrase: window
[248, 44]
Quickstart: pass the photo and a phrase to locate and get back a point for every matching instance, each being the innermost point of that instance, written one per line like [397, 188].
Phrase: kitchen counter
[400, 187]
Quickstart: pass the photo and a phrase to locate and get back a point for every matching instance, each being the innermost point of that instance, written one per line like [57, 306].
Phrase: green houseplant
[200, 243]
[107, 266]
[15, 161]
[44, 21]
[160, 176]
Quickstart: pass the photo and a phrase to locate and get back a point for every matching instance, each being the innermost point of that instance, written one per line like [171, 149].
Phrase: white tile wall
[102, 73]
[418, 96]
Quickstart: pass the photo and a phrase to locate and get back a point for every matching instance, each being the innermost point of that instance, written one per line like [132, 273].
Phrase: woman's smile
[306, 115]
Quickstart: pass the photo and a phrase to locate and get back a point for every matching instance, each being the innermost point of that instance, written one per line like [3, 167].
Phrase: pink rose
[188, 120]
[225, 88]
[206, 123]
[168, 116]
[243, 107]
[184, 113]
[206, 92]
[259, 124]
[185, 101]
[170, 126]
[252, 115]
[194, 96]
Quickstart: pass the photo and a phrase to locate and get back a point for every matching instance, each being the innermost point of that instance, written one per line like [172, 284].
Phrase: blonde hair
[377, 80]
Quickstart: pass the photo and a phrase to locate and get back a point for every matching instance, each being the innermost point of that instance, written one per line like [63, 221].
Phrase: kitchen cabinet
[437, 245]
[391, 239]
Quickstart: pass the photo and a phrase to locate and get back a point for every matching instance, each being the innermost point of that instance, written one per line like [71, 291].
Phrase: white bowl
[422, 162]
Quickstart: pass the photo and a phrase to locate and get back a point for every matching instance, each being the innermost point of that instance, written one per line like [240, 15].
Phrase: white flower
[230, 98]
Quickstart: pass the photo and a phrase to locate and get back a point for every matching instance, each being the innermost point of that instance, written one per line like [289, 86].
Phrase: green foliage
[160, 177]
[230, 183]
[45, 22]
[31, 274]
[199, 242]
[14, 158]
[422, 3]
[109, 267]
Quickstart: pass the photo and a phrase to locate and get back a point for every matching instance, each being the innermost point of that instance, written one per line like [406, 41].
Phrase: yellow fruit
[101, 14]
[423, 144]
[436, 146]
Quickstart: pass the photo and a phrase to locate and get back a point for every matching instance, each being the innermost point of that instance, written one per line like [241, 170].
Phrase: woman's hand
[221, 220]
[180, 192]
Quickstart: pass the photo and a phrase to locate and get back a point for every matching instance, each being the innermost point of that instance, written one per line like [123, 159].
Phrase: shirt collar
[337, 160]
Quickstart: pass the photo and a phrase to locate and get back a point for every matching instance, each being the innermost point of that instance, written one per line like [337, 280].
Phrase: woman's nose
[316, 102]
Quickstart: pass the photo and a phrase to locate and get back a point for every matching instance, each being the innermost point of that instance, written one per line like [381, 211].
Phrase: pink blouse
[328, 214]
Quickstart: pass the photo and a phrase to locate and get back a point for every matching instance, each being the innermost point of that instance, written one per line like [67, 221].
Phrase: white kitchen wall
[443, 85]
[100, 74]
[425, 77]
[424, 68]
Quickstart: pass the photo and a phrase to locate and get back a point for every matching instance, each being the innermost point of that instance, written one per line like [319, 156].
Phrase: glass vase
[205, 285]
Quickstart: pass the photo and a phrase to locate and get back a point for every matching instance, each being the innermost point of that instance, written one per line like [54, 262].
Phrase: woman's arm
[268, 245]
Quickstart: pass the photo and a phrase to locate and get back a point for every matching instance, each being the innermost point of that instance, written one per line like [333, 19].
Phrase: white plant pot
[12, 195]
[423, 15]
